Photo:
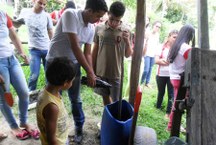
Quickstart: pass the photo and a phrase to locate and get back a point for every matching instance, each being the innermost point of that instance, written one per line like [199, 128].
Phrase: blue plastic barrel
[114, 131]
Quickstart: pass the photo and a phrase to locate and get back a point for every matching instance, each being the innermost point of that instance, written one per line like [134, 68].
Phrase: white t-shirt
[178, 65]
[6, 48]
[163, 70]
[38, 25]
[152, 45]
[70, 22]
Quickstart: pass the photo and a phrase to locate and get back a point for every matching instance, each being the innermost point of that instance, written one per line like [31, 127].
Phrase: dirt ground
[90, 132]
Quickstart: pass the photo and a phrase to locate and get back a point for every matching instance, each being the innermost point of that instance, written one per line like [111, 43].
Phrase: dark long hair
[185, 35]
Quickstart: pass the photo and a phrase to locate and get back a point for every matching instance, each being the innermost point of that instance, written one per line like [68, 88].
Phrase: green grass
[92, 103]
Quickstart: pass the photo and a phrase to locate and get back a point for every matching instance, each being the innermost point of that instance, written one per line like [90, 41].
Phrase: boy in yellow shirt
[52, 117]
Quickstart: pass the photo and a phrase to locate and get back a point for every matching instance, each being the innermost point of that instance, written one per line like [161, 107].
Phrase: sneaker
[33, 96]
[182, 129]
[99, 126]
[32, 106]
[78, 136]
[99, 130]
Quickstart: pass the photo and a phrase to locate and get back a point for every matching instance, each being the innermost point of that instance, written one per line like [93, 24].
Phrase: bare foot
[20, 134]
[3, 135]
[15, 131]
[166, 116]
[28, 127]
[33, 131]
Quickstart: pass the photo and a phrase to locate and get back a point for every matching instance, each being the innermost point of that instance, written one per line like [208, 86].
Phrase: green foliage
[130, 3]
[174, 12]
[26, 3]
[53, 5]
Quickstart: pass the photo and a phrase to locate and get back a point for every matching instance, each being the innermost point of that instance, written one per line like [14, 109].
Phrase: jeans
[13, 74]
[149, 62]
[35, 62]
[162, 82]
[76, 103]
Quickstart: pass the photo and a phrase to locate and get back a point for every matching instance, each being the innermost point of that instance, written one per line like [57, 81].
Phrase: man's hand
[125, 36]
[91, 79]
[25, 58]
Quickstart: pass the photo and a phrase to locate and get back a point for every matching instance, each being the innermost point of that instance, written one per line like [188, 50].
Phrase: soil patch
[90, 132]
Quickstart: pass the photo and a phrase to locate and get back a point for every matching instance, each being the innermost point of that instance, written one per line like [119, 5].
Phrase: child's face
[114, 21]
[67, 85]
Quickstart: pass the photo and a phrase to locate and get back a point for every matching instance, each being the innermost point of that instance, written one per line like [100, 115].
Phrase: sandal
[24, 134]
[3, 136]
[35, 134]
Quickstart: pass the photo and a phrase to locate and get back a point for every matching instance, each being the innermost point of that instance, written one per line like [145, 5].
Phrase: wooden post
[203, 34]
[201, 78]
[138, 49]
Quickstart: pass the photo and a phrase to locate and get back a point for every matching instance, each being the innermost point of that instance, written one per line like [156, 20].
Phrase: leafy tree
[174, 12]
[54, 5]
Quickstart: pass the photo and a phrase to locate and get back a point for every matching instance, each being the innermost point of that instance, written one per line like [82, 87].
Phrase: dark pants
[76, 103]
[162, 82]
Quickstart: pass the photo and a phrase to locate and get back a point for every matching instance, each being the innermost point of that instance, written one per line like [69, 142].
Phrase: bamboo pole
[138, 49]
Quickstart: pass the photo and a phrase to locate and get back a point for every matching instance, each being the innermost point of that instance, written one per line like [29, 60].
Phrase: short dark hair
[96, 5]
[70, 4]
[59, 70]
[117, 8]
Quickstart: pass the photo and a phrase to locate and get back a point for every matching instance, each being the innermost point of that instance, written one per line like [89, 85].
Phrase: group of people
[171, 58]
[62, 58]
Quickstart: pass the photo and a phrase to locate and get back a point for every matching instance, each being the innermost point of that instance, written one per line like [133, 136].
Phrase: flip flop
[23, 135]
[35, 134]
[3, 136]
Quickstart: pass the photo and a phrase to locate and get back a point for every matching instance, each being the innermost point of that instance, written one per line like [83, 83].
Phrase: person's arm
[81, 58]
[94, 56]
[50, 114]
[187, 53]
[50, 33]
[49, 26]
[87, 53]
[21, 18]
[161, 61]
[53, 17]
[145, 46]
[54, 22]
[128, 50]
[17, 43]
